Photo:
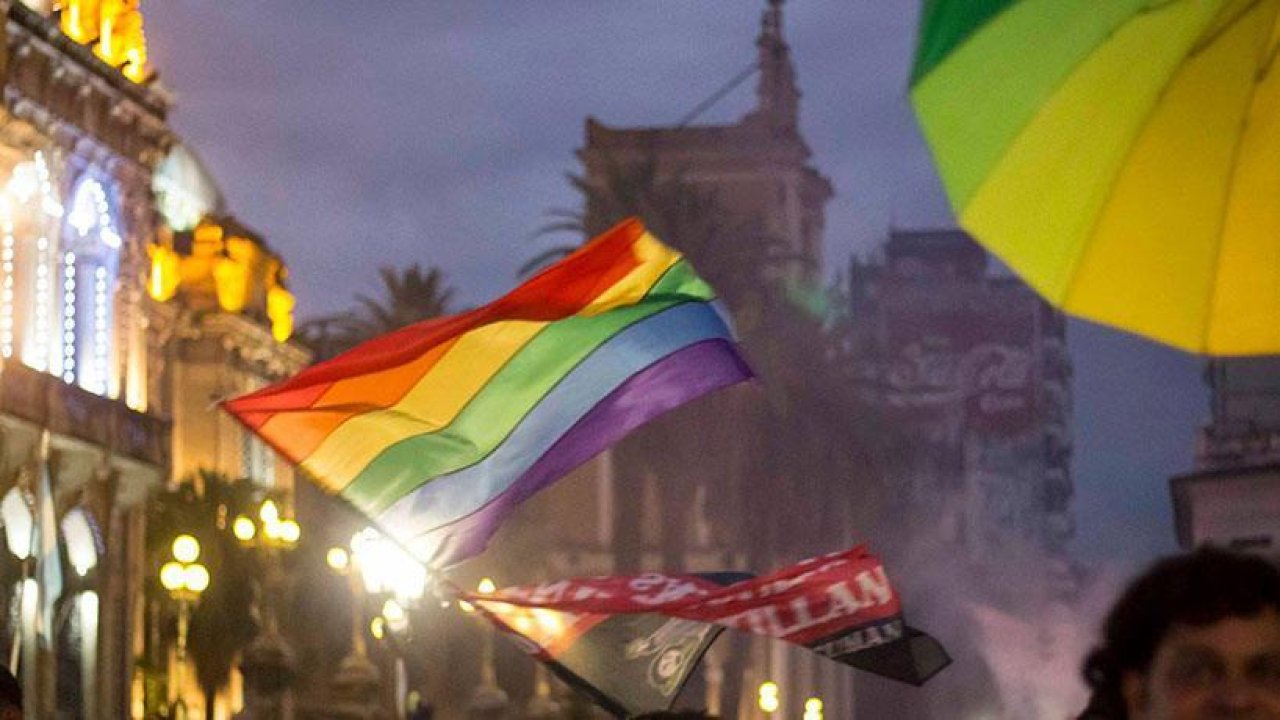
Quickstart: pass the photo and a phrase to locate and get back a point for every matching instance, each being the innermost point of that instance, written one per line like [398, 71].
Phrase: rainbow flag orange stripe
[436, 431]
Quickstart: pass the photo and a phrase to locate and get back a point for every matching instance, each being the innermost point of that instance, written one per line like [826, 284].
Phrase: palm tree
[408, 295]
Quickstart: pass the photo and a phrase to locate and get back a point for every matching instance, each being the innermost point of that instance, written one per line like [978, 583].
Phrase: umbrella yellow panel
[1123, 157]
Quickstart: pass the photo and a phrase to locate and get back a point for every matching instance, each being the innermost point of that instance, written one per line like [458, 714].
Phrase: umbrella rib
[1234, 168]
[1216, 264]
[1082, 252]
[1074, 275]
[1208, 40]
[1031, 119]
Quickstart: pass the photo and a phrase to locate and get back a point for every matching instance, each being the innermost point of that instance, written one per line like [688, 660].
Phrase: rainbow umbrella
[1122, 156]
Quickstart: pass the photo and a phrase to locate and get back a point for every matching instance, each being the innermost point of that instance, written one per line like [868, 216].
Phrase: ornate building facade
[224, 320]
[107, 335]
[757, 168]
[83, 439]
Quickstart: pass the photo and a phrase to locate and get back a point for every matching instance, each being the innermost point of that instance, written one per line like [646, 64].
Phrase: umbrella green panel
[1120, 156]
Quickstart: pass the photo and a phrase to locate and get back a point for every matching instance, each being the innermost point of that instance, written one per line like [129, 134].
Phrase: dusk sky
[357, 134]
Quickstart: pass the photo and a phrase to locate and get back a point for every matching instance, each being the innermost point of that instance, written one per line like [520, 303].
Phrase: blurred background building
[81, 133]
[1232, 499]
[969, 372]
[972, 367]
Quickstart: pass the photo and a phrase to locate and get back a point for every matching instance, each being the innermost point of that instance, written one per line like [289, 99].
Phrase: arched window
[58, 270]
[30, 214]
[90, 262]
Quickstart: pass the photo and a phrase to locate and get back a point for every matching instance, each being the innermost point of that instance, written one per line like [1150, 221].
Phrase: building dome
[185, 189]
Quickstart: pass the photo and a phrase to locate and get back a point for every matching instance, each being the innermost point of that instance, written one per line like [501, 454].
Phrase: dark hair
[10, 690]
[1198, 588]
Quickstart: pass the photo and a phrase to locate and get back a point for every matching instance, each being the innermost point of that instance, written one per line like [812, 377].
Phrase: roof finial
[777, 98]
[771, 23]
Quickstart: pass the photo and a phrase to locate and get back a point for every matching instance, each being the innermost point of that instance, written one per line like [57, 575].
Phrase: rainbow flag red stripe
[437, 431]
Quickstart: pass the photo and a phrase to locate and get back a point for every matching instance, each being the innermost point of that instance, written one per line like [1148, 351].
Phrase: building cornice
[64, 92]
[47, 30]
[249, 344]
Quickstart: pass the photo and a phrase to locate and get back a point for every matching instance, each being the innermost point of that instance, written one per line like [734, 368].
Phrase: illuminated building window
[69, 304]
[8, 256]
[58, 269]
[31, 317]
[258, 461]
[90, 266]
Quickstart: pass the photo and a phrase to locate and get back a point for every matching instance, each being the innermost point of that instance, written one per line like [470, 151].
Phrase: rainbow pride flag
[439, 430]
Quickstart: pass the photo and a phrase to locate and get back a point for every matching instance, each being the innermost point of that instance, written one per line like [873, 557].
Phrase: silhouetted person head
[10, 696]
[1197, 636]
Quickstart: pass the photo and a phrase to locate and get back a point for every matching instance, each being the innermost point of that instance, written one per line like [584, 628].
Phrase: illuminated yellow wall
[166, 273]
[116, 26]
[236, 274]
[233, 274]
[82, 20]
[280, 304]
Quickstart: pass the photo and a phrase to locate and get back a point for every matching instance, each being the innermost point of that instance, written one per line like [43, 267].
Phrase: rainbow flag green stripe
[515, 390]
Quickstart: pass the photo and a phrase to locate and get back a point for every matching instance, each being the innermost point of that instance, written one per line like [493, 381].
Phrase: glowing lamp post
[382, 574]
[185, 579]
[767, 697]
[385, 568]
[273, 531]
[268, 661]
[357, 681]
[338, 560]
[488, 699]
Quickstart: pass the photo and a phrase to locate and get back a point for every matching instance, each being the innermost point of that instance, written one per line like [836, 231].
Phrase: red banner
[630, 642]
[804, 603]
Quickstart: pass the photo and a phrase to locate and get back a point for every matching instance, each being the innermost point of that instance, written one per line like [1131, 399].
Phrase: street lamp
[381, 570]
[767, 697]
[386, 568]
[272, 530]
[395, 616]
[338, 560]
[488, 699]
[244, 529]
[268, 661]
[185, 579]
[271, 535]
[358, 680]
